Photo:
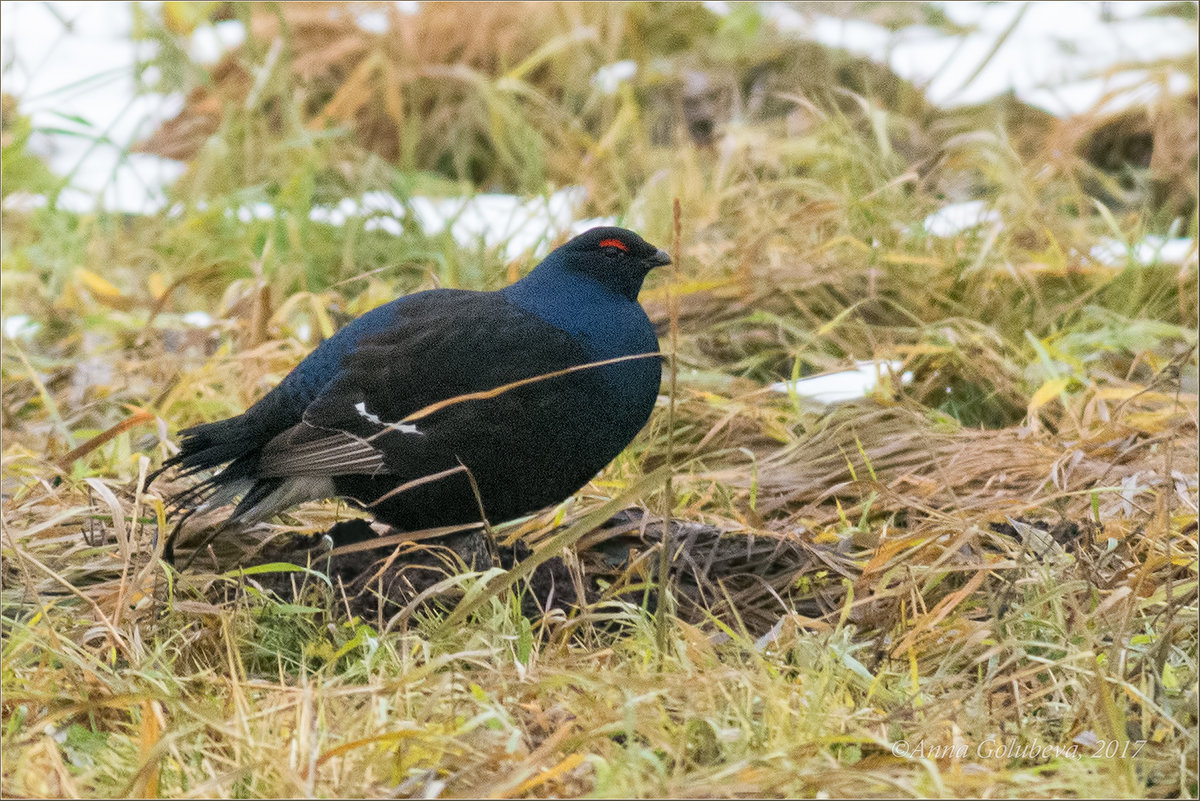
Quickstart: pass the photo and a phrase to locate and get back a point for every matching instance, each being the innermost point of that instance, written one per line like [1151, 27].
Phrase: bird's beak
[659, 259]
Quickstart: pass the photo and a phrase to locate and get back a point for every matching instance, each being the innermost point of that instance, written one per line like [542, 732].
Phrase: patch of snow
[1122, 90]
[844, 385]
[20, 326]
[380, 203]
[198, 319]
[78, 80]
[210, 42]
[76, 200]
[579, 226]
[24, 201]
[385, 224]
[610, 77]
[1179, 251]
[257, 211]
[1048, 60]
[517, 225]
[371, 21]
[958, 217]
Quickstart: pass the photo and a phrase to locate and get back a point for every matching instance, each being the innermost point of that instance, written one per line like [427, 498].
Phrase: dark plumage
[416, 388]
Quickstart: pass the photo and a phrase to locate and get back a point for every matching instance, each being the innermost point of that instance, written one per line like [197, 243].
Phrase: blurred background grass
[326, 161]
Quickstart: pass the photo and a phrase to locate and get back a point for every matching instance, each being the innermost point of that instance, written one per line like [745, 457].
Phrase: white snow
[20, 326]
[1064, 57]
[955, 218]
[198, 319]
[1151, 250]
[371, 21]
[210, 42]
[610, 77]
[79, 81]
[844, 385]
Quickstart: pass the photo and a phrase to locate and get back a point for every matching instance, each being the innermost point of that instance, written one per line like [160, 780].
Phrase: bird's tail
[208, 446]
[233, 445]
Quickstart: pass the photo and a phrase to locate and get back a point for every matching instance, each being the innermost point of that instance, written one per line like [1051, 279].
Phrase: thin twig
[664, 554]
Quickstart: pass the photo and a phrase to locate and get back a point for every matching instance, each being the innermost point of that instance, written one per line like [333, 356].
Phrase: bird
[449, 406]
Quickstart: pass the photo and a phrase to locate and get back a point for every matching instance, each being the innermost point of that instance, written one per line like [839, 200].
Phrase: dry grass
[983, 582]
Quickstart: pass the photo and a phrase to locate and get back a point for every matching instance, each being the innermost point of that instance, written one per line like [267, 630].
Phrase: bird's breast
[627, 339]
[607, 328]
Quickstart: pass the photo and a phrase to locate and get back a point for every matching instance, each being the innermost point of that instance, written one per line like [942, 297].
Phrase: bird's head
[616, 257]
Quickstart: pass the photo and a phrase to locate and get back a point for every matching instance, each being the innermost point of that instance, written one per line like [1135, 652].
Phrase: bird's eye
[612, 248]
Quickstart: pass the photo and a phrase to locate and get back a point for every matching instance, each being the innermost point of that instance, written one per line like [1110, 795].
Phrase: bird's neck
[604, 322]
[567, 300]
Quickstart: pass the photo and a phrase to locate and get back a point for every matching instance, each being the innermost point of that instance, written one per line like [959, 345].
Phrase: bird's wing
[405, 391]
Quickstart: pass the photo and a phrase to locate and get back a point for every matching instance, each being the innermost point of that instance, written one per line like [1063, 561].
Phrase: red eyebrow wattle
[614, 243]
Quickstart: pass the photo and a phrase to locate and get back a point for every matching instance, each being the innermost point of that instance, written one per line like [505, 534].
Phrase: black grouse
[526, 392]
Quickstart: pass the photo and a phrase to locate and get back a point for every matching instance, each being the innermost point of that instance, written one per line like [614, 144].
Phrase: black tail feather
[210, 445]
[230, 442]
[262, 488]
